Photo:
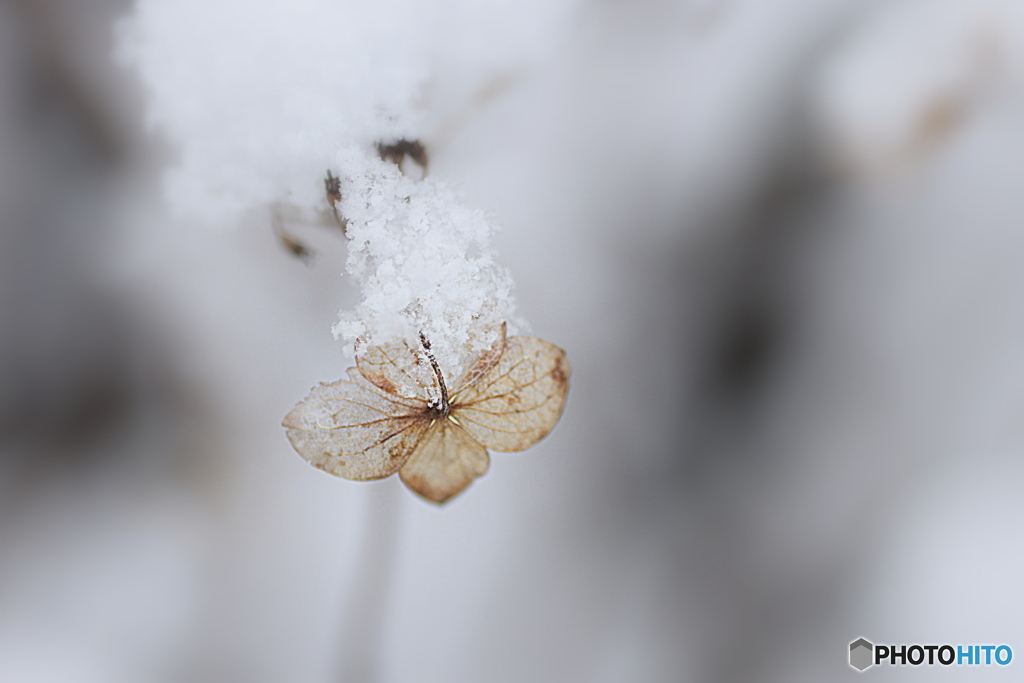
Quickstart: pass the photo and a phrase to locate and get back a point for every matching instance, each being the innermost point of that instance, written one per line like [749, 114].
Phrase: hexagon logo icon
[861, 654]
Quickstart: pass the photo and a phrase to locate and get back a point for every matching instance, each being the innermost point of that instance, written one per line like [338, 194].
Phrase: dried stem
[443, 408]
[332, 188]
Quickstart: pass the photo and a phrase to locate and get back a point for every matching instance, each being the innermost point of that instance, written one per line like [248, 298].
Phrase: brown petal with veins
[519, 400]
[353, 432]
[384, 418]
[446, 461]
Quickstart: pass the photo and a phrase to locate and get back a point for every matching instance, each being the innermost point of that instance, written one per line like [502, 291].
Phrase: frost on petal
[483, 364]
[446, 462]
[413, 404]
[519, 400]
[399, 371]
[353, 432]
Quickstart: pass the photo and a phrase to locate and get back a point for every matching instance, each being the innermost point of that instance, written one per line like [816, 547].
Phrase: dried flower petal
[399, 371]
[353, 432]
[446, 461]
[483, 364]
[394, 414]
[519, 400]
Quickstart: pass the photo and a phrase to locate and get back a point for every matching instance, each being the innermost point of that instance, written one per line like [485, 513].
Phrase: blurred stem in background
[364, 619]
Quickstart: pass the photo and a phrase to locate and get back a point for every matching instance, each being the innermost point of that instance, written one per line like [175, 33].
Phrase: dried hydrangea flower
[395, 413]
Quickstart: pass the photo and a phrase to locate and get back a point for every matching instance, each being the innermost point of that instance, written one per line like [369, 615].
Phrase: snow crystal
[259, 100]
[424, 263]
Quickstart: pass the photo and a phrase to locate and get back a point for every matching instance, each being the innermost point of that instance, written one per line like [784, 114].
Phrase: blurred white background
[782, 243]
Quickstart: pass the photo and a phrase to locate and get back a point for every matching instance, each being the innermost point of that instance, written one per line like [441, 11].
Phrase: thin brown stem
[444, 408]
[332, 188]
